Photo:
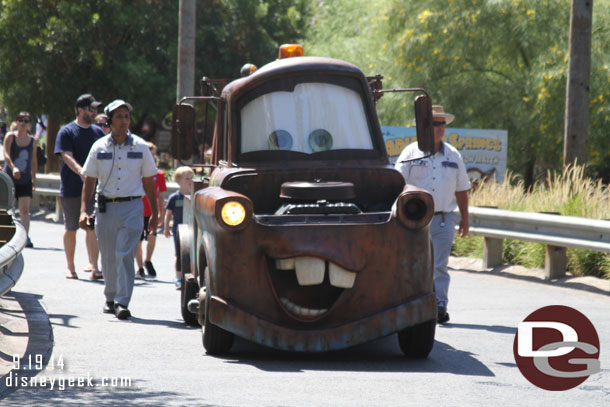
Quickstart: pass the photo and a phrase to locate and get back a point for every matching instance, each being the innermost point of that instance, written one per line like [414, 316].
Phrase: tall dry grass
[569, 192]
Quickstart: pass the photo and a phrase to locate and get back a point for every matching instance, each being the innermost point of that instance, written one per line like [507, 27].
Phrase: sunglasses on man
[90, 109]
[439, 124]
[23, 120]
[102, 124]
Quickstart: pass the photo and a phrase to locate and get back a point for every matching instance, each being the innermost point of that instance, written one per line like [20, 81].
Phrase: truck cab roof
[301, 110]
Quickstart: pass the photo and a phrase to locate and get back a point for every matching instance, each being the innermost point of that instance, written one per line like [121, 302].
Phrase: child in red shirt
[151, 238]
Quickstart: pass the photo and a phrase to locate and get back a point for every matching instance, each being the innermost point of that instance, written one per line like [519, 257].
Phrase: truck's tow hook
[193, 306]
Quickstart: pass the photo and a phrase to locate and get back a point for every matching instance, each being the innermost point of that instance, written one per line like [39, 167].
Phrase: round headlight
[233, 213]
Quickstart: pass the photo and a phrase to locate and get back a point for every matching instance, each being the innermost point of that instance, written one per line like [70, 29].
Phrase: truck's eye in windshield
[280, 140]
[320, 140]
[314, 117]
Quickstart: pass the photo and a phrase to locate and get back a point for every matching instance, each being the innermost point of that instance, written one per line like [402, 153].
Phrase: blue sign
[484, 151]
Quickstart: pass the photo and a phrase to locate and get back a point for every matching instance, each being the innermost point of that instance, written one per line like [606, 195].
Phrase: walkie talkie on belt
[101, 203]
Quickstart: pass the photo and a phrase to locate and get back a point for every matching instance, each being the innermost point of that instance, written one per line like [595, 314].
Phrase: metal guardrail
[557, 232]
[48, 185]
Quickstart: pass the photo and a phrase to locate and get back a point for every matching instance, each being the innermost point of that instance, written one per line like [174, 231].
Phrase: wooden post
[186, 49]
[186, 55]
[492, 252]
[53, 160]
[577, 87]
[555, 262]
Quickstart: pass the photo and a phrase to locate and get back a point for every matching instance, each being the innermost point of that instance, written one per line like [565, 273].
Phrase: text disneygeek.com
[21, 376]
[14, 380]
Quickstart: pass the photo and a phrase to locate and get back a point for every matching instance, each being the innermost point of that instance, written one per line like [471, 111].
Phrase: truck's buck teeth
[340, 277]
[309, 270]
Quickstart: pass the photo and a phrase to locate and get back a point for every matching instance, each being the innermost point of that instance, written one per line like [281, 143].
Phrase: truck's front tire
[417, 341]
[188, 286]
[216, 340]
[188, 291]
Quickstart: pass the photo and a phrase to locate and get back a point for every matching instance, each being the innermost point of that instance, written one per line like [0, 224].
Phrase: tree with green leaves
[51, 51]
[495, 64]
[231, 33]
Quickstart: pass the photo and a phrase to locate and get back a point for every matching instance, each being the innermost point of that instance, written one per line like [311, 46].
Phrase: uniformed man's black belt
[123, 198]
[441, 213]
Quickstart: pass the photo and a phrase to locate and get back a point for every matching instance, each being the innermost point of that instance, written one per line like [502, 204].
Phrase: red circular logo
[556, 348]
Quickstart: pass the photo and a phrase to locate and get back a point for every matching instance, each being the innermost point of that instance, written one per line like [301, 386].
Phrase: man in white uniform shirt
[444, 176]
[124, 168]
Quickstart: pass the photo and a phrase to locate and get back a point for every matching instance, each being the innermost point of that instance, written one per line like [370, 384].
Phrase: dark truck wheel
[216, 340]
[417, 341]
[188, 287]
[188, 291]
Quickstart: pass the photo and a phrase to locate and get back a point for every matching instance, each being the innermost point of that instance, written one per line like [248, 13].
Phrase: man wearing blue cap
[73, 143]
[123, 167]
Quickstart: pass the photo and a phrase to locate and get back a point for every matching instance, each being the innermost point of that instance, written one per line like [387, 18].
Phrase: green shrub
[569, 193]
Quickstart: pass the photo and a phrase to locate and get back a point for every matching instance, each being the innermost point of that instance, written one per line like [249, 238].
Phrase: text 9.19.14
[37, 362]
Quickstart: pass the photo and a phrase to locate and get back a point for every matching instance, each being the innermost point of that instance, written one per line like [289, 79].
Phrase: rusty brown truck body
[304, 238]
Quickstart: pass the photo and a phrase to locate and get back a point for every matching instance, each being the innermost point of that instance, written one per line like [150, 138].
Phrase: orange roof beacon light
[290, 50]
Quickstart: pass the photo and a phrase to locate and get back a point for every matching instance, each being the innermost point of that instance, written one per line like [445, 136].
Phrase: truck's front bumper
[250, 327]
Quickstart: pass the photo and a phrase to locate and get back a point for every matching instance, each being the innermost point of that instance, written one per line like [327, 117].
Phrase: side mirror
[423, 122]
[183, 131]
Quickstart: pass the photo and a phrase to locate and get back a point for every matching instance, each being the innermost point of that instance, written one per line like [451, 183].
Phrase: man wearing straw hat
[444, 176]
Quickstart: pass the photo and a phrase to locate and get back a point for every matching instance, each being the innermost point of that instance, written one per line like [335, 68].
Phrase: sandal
[88, 269]
[71, 275]
[96, 275]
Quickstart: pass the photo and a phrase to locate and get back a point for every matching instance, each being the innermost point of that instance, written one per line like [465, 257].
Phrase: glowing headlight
[233, 213]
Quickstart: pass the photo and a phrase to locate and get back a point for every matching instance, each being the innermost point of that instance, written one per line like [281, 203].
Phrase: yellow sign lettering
[389, 146]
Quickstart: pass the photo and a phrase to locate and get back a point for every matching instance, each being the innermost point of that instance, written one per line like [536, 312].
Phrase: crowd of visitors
[110, 187]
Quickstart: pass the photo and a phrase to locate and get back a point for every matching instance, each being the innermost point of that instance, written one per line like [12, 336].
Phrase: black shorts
[23, 190]
[145, 232]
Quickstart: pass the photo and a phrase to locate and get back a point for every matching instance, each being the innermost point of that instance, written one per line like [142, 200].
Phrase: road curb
[25, 330]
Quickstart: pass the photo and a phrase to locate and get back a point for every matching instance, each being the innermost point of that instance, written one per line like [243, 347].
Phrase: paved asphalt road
[154, 360]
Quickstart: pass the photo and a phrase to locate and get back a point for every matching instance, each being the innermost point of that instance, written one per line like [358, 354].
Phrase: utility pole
[186, 49]
[577, 87]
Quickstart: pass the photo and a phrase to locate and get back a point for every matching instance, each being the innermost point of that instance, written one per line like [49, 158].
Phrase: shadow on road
[178, 324]
[63, 320]
[47, 249]
[383, 355]
[491, 328]
[99, 396]
[28, 327]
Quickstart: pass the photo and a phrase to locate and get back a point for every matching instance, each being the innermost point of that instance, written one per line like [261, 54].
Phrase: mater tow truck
[300, 236]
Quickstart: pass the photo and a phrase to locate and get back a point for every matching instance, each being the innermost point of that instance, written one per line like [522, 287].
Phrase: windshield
[314, 117]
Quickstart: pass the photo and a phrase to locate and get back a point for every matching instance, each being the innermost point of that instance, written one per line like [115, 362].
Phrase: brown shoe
[96, 275]
[71, 275]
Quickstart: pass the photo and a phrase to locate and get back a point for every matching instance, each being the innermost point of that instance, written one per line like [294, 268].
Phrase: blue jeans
[442, 233]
